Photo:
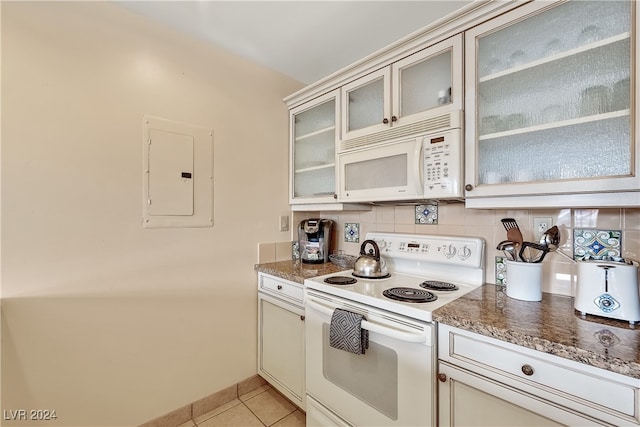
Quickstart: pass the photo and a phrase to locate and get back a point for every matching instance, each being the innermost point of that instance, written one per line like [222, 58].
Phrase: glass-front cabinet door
[313, 135]
[423, 84]
[365, 104]
[550, 100]
[428, 83]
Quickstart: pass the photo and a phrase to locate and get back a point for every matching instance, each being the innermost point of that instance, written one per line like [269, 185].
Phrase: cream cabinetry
[484, 381]
[423, 85]
[550, 106]
[314, 132]
[281, 336]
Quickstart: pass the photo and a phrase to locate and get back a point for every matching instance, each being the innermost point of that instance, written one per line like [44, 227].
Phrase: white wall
[103, 321]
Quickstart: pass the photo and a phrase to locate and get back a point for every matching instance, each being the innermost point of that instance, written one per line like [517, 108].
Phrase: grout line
[255, 415]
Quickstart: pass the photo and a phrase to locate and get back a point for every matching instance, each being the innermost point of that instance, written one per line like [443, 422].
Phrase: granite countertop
[296, 271]
[551, 326]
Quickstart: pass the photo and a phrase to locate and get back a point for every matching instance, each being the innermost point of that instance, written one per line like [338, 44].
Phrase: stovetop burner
[340, 280]
[386, 276]
[438, 286]
[409, 295]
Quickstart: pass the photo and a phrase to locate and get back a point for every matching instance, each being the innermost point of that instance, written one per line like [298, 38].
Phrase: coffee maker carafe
[314, 240]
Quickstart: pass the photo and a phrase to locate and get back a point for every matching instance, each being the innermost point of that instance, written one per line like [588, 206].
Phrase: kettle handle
[376, 249]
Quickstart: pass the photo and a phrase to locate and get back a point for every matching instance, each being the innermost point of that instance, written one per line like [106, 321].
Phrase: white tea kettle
[370, 265]
[608, 289]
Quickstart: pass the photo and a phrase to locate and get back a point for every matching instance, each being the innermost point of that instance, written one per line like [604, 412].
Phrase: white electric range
[393, 382]
[451, 266]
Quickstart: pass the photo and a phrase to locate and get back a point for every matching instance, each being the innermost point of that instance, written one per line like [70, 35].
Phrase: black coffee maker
[314, 240]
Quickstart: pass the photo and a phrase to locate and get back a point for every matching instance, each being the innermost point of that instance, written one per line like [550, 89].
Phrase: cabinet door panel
[313, 150]
[466, 399]
[282, 347]
[549, 101]
[365, 104]
[426, 85]
[429, 82]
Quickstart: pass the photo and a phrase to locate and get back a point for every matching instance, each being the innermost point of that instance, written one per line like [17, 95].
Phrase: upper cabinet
[422, 85]
[548, 90]
[550, 106]
[313, 132]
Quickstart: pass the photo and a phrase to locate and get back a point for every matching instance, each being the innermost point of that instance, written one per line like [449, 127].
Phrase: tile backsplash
[455, 219]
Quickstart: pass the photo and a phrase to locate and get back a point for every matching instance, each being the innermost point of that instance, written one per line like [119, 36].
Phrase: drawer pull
[279, 287]
[442, 378]
[527, 370]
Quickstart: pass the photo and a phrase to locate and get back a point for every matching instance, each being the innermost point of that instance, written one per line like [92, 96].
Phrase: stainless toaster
[608, 289]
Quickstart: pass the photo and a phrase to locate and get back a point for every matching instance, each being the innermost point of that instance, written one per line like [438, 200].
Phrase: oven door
[392, 384]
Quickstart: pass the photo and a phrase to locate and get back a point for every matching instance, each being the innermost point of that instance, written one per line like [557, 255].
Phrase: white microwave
[427, 166]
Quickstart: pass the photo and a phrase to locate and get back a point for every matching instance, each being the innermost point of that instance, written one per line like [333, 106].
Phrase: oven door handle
[373, 327]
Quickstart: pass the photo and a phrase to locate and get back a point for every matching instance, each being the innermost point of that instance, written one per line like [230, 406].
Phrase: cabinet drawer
[282, 288]
[581, 387]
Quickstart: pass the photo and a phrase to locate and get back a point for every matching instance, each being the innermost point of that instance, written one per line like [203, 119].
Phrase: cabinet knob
[394, 119]
[335, 196]
[279, 287]
[468, 187]
[385, 121]
[302, 318]
[527, 370]
[442, 378]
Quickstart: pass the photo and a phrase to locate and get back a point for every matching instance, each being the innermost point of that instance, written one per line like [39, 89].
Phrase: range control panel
[452, 250]
[442, 164]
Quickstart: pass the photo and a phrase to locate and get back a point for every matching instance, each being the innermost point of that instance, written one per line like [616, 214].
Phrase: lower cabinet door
[281, 346]
[469, 399]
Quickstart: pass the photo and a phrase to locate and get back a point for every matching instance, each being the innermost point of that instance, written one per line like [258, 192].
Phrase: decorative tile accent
[427, 213]
[352, 232]
[501, 271]
[295, 249]
[596, 244]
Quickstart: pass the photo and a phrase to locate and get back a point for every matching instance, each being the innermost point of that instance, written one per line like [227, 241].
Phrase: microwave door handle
[417, 161]
[314, 304]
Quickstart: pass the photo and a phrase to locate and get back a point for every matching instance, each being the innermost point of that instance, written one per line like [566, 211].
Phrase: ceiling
[306, 40]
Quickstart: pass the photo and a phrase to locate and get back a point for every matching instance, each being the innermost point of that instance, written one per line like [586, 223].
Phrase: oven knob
[450, 251]
[465, 252]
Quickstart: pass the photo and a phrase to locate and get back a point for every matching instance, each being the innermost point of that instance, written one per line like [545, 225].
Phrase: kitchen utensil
[594, 100]
[620, 94]
[542, 250]
[608, 289]
[509, 249]
[513, 231]
[370, 265]
[343, 260]
[590, 34]
[551, 239]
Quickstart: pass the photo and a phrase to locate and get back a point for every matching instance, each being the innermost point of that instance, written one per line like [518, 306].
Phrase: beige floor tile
[217, 411]
[270, 406]
[189, 423]
[239, 415]
[295, 419]
[254, 392]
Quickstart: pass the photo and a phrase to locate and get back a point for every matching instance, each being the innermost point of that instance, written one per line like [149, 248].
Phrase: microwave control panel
[442, 164]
